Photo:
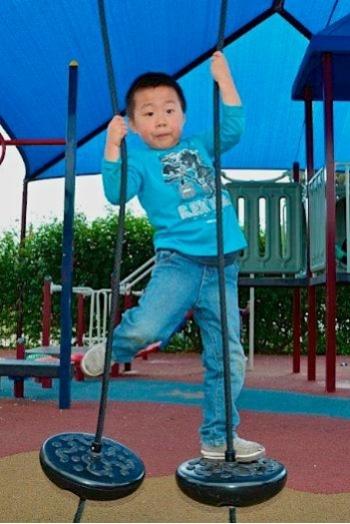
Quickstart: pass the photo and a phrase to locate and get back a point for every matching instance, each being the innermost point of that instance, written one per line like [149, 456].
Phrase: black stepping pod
[69, 462]
[233, 484]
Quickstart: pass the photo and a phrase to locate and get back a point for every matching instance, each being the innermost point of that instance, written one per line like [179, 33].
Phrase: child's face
[158, 117]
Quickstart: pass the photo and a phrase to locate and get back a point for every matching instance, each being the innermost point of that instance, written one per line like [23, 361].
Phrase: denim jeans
[177, 286]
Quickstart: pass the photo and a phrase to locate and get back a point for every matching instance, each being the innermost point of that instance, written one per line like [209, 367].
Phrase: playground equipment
[31, 362]
[303, 20]
[317, 189]
[99, 311]
[49, 350]
[227, 483]
[278, 8]
[99, 306]
[276, 210]
[321, 76]
[19, 369]
[100, 302]
[43, 369]
[271, 474]
[272, 215]
[292, 217]
[93, 466]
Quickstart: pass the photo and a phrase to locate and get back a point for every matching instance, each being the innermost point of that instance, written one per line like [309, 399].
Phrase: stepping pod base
[68, 461]
[233, 484]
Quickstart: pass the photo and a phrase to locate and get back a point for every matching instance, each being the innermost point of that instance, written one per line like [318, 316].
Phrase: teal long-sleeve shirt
[176, 187]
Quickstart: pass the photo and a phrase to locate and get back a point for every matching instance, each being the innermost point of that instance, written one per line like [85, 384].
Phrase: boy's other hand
[219, 67]
[116, 131]
[221, 73]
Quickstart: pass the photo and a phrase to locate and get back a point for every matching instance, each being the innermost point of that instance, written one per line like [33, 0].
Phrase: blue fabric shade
[335, 39]
[265, 43]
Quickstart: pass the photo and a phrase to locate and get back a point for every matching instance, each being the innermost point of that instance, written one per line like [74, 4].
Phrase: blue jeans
[177, 286]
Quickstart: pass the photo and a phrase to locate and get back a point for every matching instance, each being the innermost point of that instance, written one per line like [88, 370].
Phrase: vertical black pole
[331, 288]
[19, 382]
[311, 290]
[296, 302]
[230, 453]
[96, 446]
[80, 510]
[232, 514]
[67, 242]
[20, 304]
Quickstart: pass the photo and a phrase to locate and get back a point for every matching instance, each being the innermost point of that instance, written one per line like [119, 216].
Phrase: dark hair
[152, 79]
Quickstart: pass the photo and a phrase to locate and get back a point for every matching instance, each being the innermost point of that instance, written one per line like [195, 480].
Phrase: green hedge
[274, 320]
[94, 245]
[93, 262]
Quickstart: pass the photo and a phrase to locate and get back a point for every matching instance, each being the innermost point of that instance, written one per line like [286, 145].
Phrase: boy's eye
[170, 111]
[149, 113]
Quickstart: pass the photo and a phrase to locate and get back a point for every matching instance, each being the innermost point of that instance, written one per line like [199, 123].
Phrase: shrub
[93, 261]
[41, 256]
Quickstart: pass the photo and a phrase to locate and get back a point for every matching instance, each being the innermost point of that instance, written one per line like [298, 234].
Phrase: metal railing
[272, 218]
[317, 218]
[100, 301]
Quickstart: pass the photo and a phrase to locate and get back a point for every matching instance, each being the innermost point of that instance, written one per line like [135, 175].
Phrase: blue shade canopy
[335, 39]
[265, 42]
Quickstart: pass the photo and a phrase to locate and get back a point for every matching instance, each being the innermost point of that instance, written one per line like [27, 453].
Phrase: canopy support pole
[18, 388]
[67, 242]
[296, 303]
[330, 225]
[311, 290]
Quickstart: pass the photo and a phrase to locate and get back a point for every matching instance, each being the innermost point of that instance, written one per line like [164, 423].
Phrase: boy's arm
[111, 175]
[232, 114]
[111, 164]
[222, 75]
[116, 131]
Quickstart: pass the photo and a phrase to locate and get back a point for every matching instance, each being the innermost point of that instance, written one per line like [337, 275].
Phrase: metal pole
[80, 320]
[296, 303]
[330, 225]
[67, 243]
[35, 142]
[20, 342]
[20, 303]
[311, 290]
[251, 326]
[296, 330]
[47, 312]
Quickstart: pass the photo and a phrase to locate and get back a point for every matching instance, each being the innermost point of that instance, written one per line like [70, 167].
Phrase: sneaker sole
[87, 372]
[212, 455]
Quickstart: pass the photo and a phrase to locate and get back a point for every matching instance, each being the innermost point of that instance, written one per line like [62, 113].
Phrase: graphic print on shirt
[193, 180]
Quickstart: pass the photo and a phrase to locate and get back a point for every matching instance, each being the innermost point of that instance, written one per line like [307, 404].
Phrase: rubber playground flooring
[155, 411]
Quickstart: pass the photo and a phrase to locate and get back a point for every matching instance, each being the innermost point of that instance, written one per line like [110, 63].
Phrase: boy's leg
[207, 315]
[164, 304]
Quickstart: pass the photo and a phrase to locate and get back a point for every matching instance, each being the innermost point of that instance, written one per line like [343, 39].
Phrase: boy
[175, 182]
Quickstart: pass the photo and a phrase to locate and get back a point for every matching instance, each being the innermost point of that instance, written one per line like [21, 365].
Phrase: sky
[45, 197]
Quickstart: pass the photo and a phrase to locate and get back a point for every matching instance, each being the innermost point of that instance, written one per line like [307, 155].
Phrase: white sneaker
[92, 363]
[245, 450]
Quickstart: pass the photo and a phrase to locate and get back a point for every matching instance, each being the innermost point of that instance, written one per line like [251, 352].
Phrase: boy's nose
[160, 121]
